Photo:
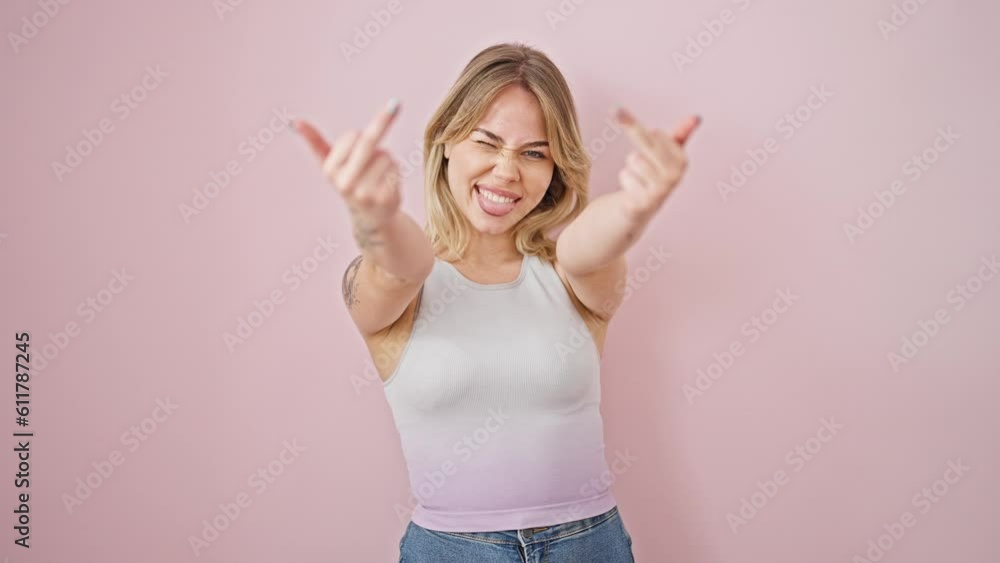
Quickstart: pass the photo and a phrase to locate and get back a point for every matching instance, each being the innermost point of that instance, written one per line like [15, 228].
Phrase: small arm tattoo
[365, 235]
[350, 284]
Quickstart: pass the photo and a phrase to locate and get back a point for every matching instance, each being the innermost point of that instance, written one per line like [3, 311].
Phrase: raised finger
[640, 137]
[383, 119]
[313, 137]
[369, 139]
[684, 130]
[341, 150]
[671, 150]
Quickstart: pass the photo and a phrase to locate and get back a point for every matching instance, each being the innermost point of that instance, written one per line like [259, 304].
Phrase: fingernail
[697, 118]
[623, 116]
[392, 106]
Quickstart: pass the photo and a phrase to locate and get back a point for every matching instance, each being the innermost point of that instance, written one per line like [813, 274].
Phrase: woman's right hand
[366, 176]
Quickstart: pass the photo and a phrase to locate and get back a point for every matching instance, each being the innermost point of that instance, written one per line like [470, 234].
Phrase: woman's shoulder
[597, 325]
[587, 314]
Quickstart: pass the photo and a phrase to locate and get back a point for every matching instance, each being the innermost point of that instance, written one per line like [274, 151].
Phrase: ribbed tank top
[496, 398]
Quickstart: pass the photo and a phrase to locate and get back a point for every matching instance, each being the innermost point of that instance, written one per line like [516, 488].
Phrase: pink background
[825, 357]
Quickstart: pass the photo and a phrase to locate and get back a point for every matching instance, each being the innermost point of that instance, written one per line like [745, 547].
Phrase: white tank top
[496, 399]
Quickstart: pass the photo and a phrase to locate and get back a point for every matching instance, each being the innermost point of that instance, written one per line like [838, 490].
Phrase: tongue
[493, 207]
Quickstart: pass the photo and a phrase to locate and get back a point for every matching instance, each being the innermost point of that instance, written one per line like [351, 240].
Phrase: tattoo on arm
[350, 284]
[365, 235]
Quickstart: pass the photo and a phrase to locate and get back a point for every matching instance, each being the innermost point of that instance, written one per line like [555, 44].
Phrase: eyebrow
[499, 139]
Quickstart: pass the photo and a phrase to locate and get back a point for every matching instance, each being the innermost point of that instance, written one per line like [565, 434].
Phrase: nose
[505, 168]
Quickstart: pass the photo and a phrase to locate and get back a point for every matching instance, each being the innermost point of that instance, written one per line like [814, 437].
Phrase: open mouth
[494, 204]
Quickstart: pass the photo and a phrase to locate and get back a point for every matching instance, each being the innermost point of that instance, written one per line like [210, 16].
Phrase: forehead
[515, 115]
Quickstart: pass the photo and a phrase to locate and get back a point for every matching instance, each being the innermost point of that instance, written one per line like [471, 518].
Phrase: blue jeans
[598, 539]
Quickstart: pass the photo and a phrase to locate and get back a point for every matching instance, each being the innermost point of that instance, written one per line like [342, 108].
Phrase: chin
[492, 227]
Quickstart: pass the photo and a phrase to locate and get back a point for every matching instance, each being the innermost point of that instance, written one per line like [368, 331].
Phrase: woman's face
[483, 178]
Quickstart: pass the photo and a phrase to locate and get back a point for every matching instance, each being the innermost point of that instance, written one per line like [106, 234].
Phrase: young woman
[487, 333]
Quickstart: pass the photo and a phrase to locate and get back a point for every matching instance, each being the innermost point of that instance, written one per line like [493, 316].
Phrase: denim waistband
[527, 536]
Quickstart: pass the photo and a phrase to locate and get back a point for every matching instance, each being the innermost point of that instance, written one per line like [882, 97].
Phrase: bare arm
[395, 256]
[591, 251]
[592, 248]
[380, 282]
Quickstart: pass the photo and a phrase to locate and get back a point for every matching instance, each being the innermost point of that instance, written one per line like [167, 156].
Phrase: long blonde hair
[489, 72]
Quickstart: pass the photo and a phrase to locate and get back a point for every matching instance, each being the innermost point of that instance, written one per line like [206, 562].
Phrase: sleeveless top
[497, 402]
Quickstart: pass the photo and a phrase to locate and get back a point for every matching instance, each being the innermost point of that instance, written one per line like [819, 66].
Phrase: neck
[487, 250]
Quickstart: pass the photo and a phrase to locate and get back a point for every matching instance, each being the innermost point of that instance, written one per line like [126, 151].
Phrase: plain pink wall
[161, 336]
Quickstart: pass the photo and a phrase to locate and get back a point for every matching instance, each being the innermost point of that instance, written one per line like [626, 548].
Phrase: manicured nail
[392, 106]
[624, 117]
[697, 119]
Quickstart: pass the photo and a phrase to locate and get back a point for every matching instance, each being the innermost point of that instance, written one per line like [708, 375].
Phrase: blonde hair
[489, 72]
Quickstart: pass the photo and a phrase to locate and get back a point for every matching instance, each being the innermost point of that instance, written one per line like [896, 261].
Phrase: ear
[447, 150]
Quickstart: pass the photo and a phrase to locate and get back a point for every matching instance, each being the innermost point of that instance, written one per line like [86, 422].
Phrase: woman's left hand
[655, 166]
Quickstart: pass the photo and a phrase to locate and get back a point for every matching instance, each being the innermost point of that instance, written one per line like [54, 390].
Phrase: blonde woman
[487, 333]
